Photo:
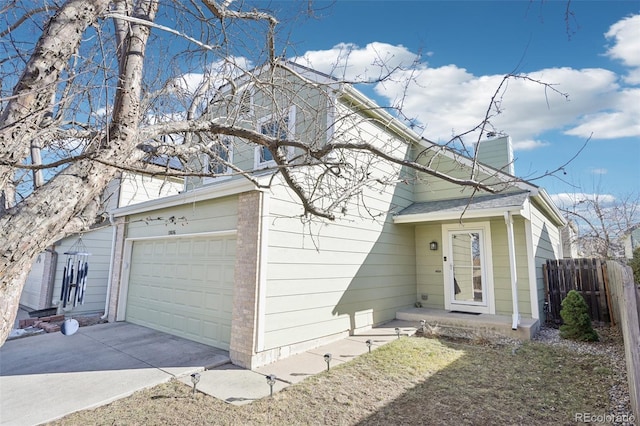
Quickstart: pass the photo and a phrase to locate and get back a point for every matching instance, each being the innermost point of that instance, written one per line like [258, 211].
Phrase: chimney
[497, 152]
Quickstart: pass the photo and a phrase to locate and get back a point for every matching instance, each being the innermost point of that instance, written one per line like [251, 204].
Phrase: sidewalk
[114, 360]
[239, 386]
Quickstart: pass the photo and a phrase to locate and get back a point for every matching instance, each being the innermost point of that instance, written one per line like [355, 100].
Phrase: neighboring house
[631, 241]
[570, 240]
[239, 268]
[43, 285]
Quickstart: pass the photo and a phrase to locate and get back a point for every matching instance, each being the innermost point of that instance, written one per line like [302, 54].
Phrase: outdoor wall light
[368, 342]
[433, 245]
[271, 380]
[195, 378]
[327, 359]
[398, 332]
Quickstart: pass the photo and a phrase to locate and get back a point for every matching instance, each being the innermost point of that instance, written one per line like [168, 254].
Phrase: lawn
[410, 381]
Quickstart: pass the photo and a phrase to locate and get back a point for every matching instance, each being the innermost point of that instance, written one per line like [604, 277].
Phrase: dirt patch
[409, 381]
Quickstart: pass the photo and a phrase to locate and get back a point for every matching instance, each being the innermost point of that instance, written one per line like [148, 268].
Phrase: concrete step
[457, 324]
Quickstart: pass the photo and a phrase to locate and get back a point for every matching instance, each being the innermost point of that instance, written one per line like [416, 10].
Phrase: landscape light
[368, 342]
[423, 323]
[398, 332]
[327, 359]
[271, 380]
[195, 378]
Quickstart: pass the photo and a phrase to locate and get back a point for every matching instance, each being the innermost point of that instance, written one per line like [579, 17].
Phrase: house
[631, 241]
[241, 267]
[42, 288]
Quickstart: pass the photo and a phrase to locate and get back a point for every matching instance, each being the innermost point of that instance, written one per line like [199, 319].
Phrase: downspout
[111, 260]
[118, 194]
[508, 218]
[51, 275]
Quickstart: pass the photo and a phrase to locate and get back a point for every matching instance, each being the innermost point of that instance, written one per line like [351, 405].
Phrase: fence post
[630, 325]
[608, 293]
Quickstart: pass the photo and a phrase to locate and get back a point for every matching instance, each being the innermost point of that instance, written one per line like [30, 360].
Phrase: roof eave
[549, 207]
[375, 110]
[207, 192]
[457, 215]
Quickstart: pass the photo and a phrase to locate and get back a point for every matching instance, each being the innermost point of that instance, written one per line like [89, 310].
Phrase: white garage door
[183, 286]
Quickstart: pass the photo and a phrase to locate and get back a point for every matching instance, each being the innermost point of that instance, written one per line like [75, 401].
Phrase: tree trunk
[66, 204]
[21, 118]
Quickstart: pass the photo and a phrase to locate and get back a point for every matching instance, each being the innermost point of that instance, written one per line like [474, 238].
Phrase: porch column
[515, 319]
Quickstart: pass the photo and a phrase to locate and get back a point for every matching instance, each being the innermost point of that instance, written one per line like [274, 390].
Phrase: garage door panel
[184, 249]
[171, 248]
[230, 248]
[183, 286]
[229, 272]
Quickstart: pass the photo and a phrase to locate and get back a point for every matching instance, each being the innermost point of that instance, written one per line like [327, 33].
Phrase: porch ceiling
[480, 206]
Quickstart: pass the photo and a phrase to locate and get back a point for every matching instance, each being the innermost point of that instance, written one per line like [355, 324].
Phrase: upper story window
[280, 127]
[219, 163]
[245, 101]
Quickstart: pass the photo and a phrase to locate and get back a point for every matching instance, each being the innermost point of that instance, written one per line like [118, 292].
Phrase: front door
[467, 277]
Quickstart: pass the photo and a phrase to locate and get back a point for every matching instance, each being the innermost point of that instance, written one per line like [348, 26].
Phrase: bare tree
[89, 89]
[602, 221]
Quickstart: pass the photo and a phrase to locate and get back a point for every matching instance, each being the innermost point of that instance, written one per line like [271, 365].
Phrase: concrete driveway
[45, 377]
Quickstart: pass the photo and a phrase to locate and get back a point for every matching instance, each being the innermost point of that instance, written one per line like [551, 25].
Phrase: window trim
[249, 92]
[228, 141]
[291, 125]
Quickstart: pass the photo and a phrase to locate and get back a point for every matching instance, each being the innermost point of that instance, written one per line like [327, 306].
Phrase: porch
[459, 324]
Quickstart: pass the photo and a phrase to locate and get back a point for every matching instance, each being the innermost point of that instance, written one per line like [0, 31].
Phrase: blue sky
[464, 50]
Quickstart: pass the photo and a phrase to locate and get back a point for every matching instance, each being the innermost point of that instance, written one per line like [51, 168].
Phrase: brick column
[247, 279]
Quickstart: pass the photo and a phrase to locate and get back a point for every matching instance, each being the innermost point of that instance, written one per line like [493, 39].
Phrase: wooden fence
[625, 299]
[609, 290]
[587, 276]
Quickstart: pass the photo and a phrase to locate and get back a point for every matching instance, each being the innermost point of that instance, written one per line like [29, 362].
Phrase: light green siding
[202, 216]
[546, 245]
[429, 188]
[328, 277]
[31, 292]
[357, 277]
[429, 266]
[98, 243]
[497, 153]
[502, 271]
[136, 188]
[286, 96]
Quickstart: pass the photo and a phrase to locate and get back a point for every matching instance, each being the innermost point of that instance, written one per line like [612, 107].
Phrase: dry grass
[409, 381]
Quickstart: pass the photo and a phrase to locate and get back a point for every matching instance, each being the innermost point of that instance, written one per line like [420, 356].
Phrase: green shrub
[575, 315]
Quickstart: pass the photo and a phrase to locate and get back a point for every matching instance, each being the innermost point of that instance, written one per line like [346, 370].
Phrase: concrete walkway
[238, 386]
[46, 377]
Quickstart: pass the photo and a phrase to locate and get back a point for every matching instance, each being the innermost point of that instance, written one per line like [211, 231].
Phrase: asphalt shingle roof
[458, 205]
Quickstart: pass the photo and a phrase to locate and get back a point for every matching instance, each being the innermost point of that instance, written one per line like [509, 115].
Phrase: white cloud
[216, 74]
[620, 119]
[101, 112]
[528, 145]
[599, 171]
[565, 199]
[353, 63]
[449, 100]
[626, 45]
